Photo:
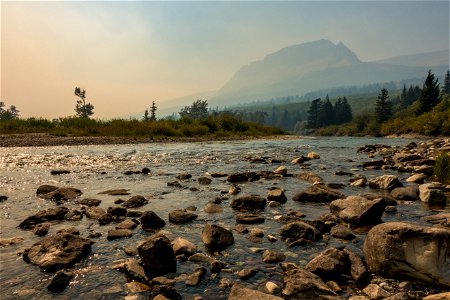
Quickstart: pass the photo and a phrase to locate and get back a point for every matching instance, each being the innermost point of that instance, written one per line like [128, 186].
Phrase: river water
[98, 168]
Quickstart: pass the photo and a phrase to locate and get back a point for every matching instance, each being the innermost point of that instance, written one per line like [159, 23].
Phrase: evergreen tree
[146, 117]
[9, 114]
[429, 96]
[446, 87]
[153, 111]
[383, 107]
[83, 109]
[313, 114]
[338, 111]
[326, 113]
[403, 98]
[198, 110]
[346, 112]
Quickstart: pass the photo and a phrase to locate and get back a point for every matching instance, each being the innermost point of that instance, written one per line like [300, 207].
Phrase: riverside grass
[441, 170]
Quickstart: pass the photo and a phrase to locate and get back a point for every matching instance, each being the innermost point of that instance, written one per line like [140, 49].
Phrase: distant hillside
[429, 59]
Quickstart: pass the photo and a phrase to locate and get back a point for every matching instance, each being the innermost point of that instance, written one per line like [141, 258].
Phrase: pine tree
[146, 118]
[429, 96]
[313, 114]
[338, 112]
[404, 98]
[383, 107]
[346, 111]
[153, 111]
[446, 87]
[83, 109]
[326, 113]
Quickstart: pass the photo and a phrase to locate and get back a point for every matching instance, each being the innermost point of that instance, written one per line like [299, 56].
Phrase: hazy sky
[127, 54]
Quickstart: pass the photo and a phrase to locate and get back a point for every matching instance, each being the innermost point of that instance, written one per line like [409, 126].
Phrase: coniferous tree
[346, 111]
[313, 114]
[83, 109]
[429, 96]
[403, 98]
[153, 111]
[338, 111]
[383, 107]
[198, 110]
[326, 113]
[446, 87]
[146, 117]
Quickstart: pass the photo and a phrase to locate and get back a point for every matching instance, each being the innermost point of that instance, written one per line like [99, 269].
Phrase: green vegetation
[83, 109]
[383, 107]
[442, 167]
[9, 113]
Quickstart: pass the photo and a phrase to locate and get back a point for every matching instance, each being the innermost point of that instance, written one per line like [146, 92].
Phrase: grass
[442, 167]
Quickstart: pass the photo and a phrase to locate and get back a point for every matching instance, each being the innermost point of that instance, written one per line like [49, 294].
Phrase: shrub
[442, 167]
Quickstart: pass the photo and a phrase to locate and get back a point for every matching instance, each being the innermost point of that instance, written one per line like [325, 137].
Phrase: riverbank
[47, 140]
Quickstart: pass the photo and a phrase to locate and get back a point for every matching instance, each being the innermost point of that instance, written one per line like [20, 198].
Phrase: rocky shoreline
[398, 260]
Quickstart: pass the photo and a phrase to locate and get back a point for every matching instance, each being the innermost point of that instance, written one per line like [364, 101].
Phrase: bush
[442, 167]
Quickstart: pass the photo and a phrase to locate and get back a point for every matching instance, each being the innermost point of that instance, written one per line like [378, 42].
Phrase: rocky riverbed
[329, 218]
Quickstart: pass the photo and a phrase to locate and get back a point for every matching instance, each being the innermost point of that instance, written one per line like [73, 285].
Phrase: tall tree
[446, 87]
[153, 109]
[403, 98]
[346, 111]
[198, 110]
[146, 117]
[429, 96]
[326, 113]
[83, 109]
[383, 107]
[8, 114]
[313, 114]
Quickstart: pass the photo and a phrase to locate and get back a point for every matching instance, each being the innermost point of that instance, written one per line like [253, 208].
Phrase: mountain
[429, 59]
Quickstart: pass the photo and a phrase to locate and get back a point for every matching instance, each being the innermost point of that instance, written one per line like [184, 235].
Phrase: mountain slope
[429, 59]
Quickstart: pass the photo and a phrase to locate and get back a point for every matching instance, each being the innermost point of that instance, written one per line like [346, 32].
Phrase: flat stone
[246, 273]
[239, 292]
[117, 192]
[248, 218]
[118, 234]
[270, 256]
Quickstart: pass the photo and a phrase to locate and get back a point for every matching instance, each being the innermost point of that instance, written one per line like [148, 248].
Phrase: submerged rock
[89, 202]
[47, 215]
[117, 192]
[247, 218]
[180, 216]
[385, 182]
[410, 193]
[300, 230]
[248, 203]
[239, 292]
[149, 219]
[342, 232]
[420, 253]
[59, 194]
[59, 281]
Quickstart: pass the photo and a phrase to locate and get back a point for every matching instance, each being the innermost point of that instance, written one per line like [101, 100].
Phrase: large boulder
[330, 264]
[432, 194]
[248, 203]
[181, 245]
[57, 252]
[157, 255]
[239, 292]
[300, 230]
[358, 210]
[301, 284]
[47, 215]
[277, 195]
[404, 249]
[216, 237]
[317, 193]
[59, 194]
[151, 220]
[406, 193]
[385, 182]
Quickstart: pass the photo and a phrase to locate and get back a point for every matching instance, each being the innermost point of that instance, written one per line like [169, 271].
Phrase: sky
[126, 54]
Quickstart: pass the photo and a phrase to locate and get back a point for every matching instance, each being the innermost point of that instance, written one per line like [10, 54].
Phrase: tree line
[324, 113]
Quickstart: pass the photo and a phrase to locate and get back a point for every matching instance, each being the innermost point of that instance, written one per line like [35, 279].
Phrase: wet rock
[299, 160]
[47, 215]
[59, 172]
[135, 202]
[376, 292]
[175, 183]
[240, 228]
[212, 208]
[358, 210]
[131, 172]
[216, 237]
[248, 218]
[360, 182]
[216, 266]
[69, 230]
[276, 195]
[131, 268]
[248, 203]
[114, 234]
[317, 193]
[167, 291]
[272, 238]
[151, 220]
[10, 241]
[161, 280]
[239, 292]
[342, 232]
[385, 182]
[313, 155]
[183, 176]
[441, 296]
[218, 174]
[330, 264]
[157, 255]
[94, 212]
[134, 214]
[180, 216]
[246, 273]
[181, 245]
[136, 287]
[300, 230]
[270, 256]
[299, 283]
[57, 252]
[417, 178]
[204, 180]
[195, 278]
[272, 287]
[146, 171]
[310, 177]
[117, 211]
[117, 192]
[442, 219]
[410, 193]
[373, 165]
[59, 281]
[432, 194]
[419, 252]
[234, 190]
[358, 269]
[41, 229]
[3, 198]
[127, 224]
[89, 202]
[61, 194]
[281, 170]
[243, 177]
[200, 257]
[105, 219]
[45, 189]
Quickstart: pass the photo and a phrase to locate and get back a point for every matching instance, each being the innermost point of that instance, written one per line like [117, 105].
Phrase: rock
[59, 172]
[302, 284]
[41, 229]
[161, 280]
[134, 214]
[216, 266]
[243, 177]
[167, 291]
[417, 178]
[420, 253]
[146, 171]
[59, 281]
[248, 218]
[45, 189]
[218, 174]
[73, 215]
[248, 203]
[70, 230]
[317, 193]
[151, 220]
[136, 287]
[385, 182]
[10, 241]
[175, 184]
[61, 194]
[406, 286]
[94, 212]
[89, 202]
[276, 195]
[342, 232]
[441, 219]
[246, 273]
[330, 264]
[270, 256]
[358, 210]
[310, 177]
[360, 182]
[3, 198]
[406, 193]
[441, 296]
[300, 230]
[358, 269]
[157, 255]
[132, 172]
[281, 170]
[272, 287]
[272, 238]
[204, 180]
[183, 176]
[234, 190]
[180, 216]
[105, 219]
[200, 257]
[135, 202]
[375, 292]
[299, 160]
[118, 234]
[117, 211]
[240, 228]
[239, 292]
[373, 165]
[212, 208]
[47, 215]
[195, 278]
[57, 252]
[118, 192]
[216, 237]
[313, 155]
[431, 194]
[181, 245]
